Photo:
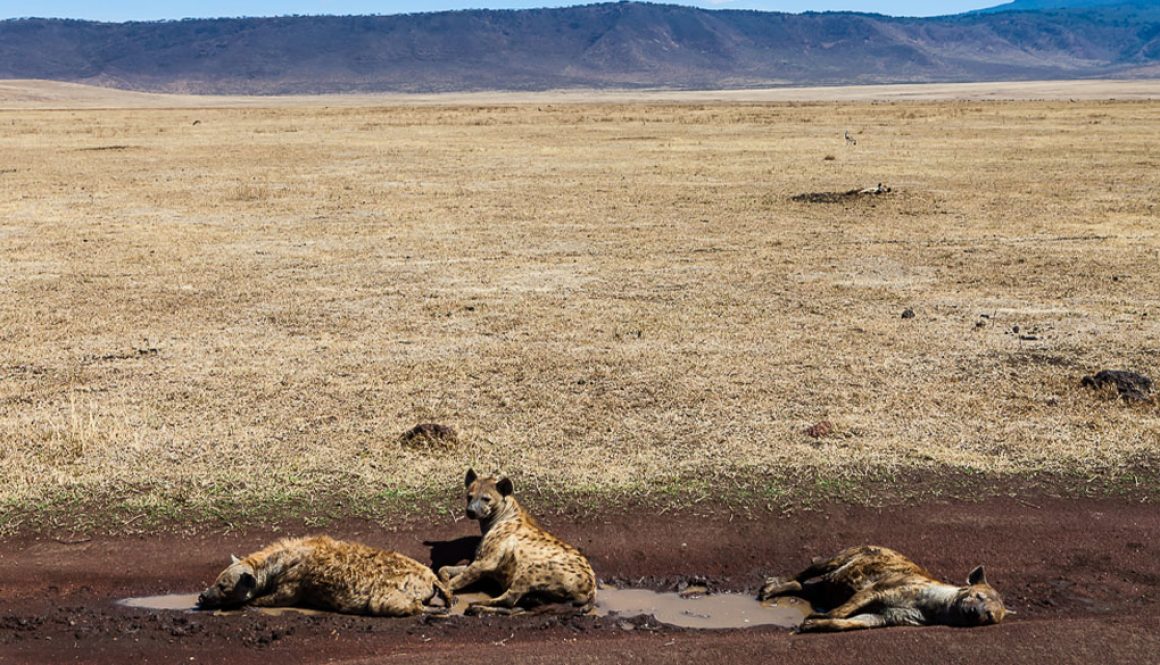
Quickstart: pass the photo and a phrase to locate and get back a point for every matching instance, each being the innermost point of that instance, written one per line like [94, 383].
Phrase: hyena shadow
[457, 552]
[824, 596]
[452, 552]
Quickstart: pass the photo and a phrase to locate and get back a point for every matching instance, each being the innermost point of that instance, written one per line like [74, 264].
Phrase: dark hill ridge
[628, 44]
[1047, 5]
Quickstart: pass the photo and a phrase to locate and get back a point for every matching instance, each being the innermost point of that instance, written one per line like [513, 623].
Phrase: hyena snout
[207, 600]
[479, 508]
[484, 495]
[983, 609]
[213, 598]
[233, 587]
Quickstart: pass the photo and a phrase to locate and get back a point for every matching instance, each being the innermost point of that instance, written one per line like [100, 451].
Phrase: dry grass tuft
[601, 298]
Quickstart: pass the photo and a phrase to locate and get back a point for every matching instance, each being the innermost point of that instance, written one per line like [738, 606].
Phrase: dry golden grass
[39, 94]
[598, 297]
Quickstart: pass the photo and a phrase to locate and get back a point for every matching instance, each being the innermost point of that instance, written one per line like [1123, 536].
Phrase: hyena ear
[504, 486]
[247, 582]
[470, 478]
[977, 576]
[234, 559]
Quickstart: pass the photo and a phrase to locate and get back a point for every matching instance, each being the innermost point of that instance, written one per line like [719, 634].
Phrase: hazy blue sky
[149, 10]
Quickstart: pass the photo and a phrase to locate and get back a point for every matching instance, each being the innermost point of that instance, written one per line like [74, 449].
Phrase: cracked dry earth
[1083, 577]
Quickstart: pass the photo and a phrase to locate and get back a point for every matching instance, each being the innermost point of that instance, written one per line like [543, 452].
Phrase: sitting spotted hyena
[888, 589]
[328, 574]
[530, 564]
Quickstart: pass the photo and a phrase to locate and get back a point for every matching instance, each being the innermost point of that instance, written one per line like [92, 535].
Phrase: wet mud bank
[1083, 577]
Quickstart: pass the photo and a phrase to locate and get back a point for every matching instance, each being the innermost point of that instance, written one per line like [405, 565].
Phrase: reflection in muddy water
[176, 601]
[187, 602]
[462, 600]
[719, 610]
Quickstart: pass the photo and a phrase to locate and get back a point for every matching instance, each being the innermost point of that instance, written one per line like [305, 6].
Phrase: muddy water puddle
[175, 601]
[687, 610]
[187, 602]
[706, 611]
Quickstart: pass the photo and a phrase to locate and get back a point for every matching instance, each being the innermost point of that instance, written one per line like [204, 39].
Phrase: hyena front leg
[283, 596]
[858, 622]
[468, 575]
[441, 591]
[447, 572]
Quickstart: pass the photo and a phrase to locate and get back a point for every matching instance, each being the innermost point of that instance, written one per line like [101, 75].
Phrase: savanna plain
[216, 324]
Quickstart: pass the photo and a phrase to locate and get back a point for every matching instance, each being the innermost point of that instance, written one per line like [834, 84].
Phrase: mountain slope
[1124, 10]
[624, 44]
[1048, 5]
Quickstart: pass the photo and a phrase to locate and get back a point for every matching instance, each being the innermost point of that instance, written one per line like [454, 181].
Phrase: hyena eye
[486, 499]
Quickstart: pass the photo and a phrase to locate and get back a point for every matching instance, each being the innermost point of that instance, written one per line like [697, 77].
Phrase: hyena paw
[477, 610]
[473, 610]
[812, 624]
[773, 586]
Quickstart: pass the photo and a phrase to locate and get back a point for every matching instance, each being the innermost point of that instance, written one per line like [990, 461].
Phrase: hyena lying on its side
[328, 574]
[530, 564]
[888, 589]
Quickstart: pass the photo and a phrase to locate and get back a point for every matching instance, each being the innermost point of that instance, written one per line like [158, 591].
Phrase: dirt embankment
[1082, 576]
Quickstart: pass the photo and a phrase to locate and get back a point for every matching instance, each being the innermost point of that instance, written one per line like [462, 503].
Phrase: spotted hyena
[328, 574]
[530, 564]
[885, 588]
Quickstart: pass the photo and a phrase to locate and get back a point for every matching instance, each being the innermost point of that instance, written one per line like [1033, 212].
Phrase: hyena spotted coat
[887, 589]
[530, 564]
[328, 574]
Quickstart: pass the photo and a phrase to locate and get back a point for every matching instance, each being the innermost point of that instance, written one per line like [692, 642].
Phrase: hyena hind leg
[504, 603]
[396, 605]
[821, 566]
[858, 622]
[776, 586]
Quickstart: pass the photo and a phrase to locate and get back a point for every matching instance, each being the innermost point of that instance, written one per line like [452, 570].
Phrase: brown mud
[1083, 577]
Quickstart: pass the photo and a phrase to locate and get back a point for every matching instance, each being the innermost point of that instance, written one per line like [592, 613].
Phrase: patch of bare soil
[1130, 386]
[1083, 577]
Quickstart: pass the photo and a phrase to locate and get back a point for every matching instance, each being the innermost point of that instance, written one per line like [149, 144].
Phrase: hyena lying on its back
[529, 563]
[328, 574]
[889, 589]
